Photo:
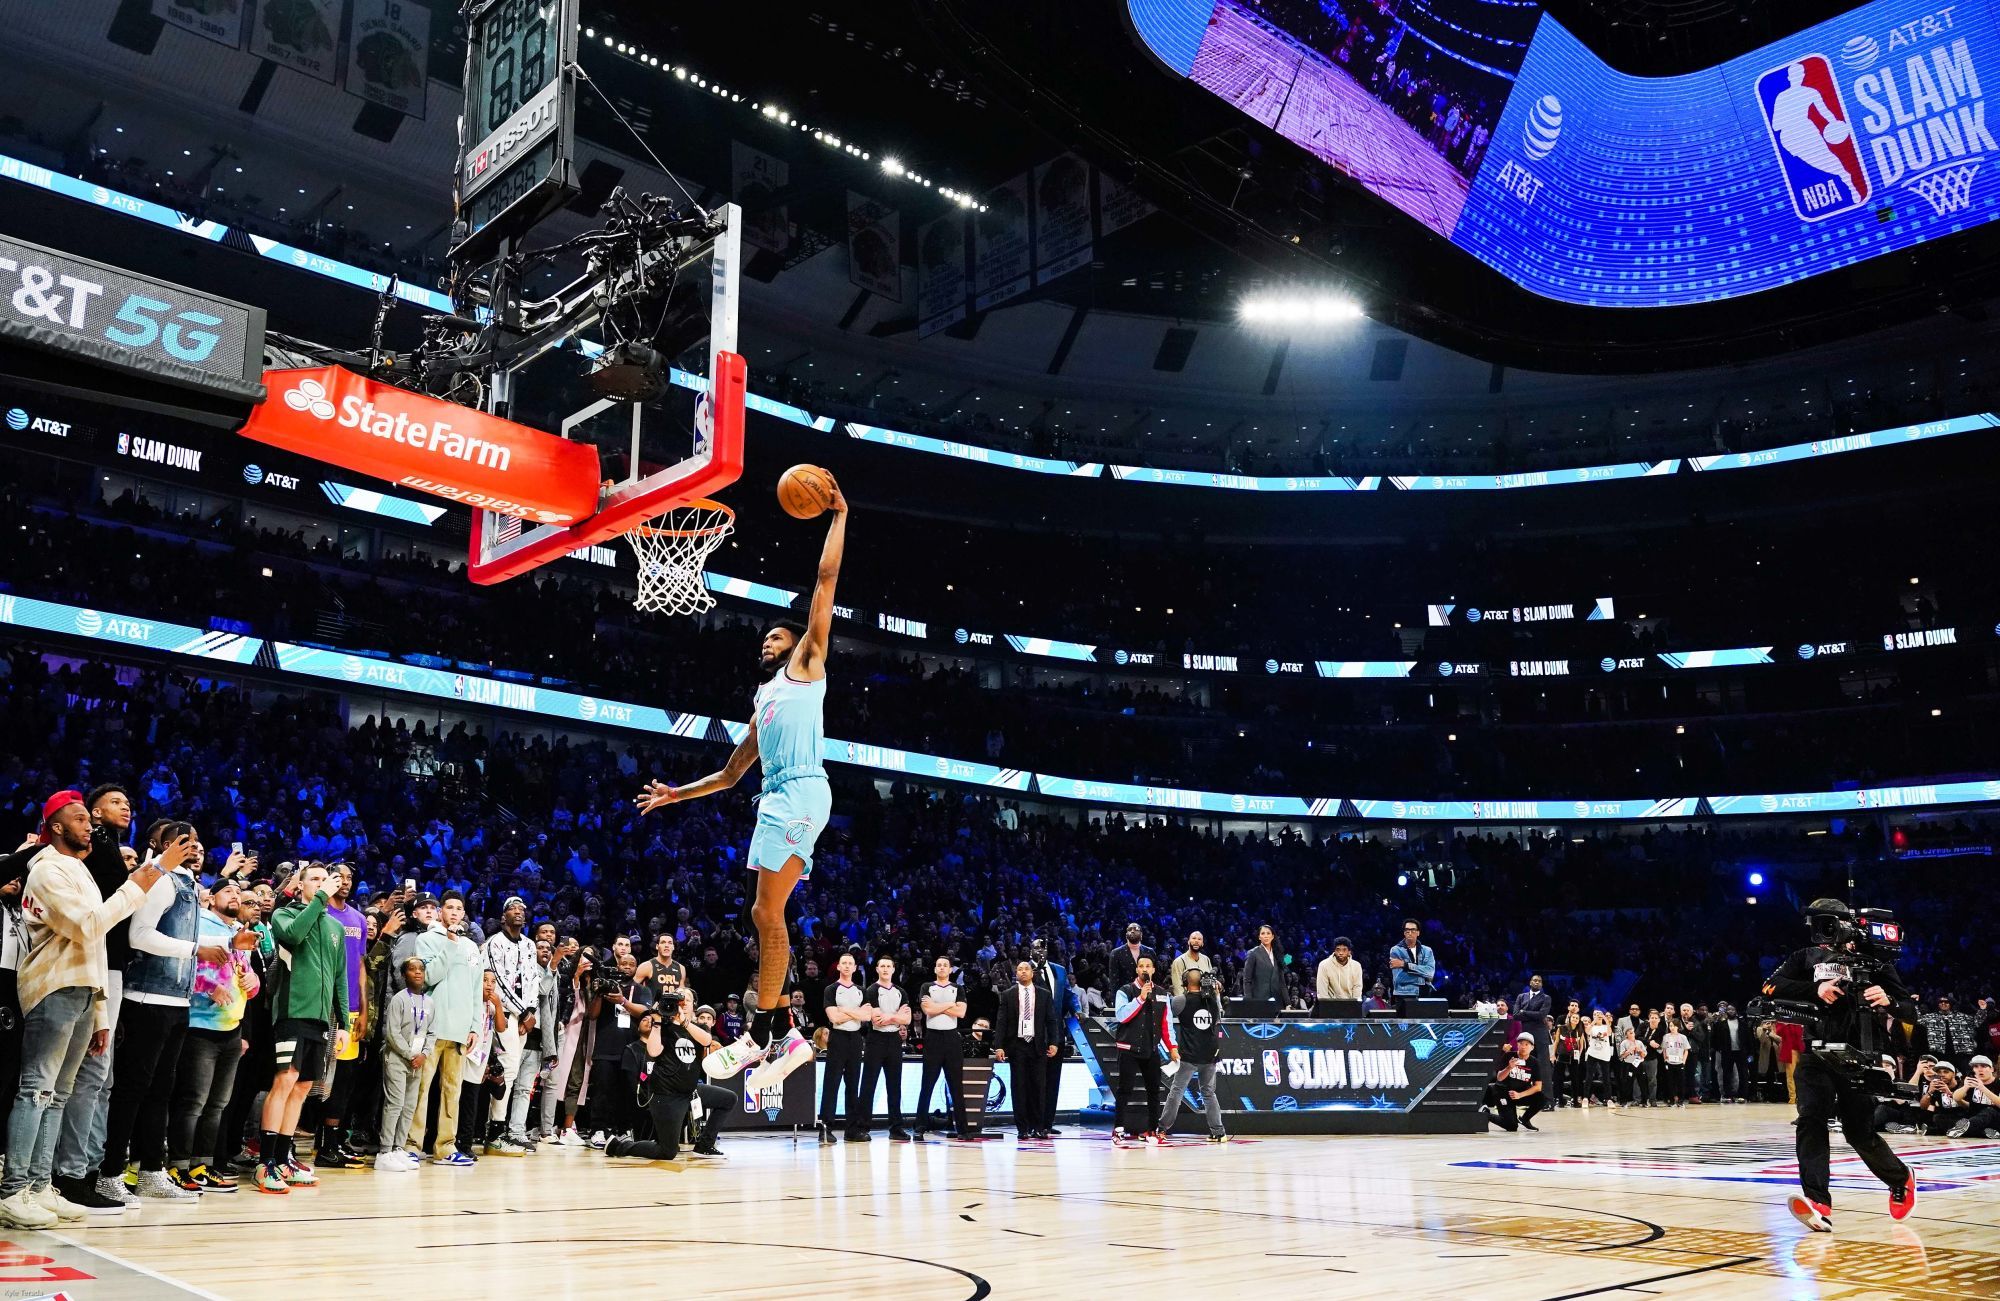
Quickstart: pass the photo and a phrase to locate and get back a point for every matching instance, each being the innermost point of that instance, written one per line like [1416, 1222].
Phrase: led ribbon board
[408, 677]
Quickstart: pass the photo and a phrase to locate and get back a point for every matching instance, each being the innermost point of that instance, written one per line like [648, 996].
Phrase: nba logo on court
[1813, 139]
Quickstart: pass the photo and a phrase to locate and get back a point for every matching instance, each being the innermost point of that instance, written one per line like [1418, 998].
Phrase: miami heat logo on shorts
[1817, 153]
[797, 830]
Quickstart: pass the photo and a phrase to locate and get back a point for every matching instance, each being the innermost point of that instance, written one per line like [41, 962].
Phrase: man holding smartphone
[309, 1020]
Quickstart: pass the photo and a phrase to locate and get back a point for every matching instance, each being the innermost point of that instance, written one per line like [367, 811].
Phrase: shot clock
[517, 135]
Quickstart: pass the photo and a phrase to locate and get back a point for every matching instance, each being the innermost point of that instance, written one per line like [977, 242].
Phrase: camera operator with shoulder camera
[1197, 1011]
[669, 1084]
[1842, 989]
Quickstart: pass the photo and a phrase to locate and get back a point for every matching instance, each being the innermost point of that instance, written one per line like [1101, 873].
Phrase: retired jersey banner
[303, 35]
[874, 247]
[332, 414]
[1062, 217]
[388, 54]
[1003, 247]
[219, 20]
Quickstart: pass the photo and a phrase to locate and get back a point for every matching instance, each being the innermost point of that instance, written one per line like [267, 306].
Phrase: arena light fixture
[1298, 309]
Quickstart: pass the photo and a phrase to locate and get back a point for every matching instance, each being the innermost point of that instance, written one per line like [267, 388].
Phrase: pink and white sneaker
[792, 1052]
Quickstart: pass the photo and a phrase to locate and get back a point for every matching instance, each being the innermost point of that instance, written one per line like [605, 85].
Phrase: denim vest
[150, 973]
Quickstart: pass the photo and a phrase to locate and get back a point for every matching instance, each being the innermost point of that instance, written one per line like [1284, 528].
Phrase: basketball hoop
[673, 550]
[1947, 189]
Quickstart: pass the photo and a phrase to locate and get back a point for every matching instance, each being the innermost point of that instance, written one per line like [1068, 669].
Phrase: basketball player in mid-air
[786, 732]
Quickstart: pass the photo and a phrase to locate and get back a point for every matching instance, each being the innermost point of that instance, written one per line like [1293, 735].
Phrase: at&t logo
[1544, 128]
[1444, 669]
[253, 474]
[17, 419]
[1807, 651]
[1120, 656]
[587, 707]
[89, 622]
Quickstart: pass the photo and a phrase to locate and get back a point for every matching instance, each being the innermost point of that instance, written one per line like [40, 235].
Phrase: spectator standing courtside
[452, 968]
[309, 1020]
[213, 1048]
[62, 984]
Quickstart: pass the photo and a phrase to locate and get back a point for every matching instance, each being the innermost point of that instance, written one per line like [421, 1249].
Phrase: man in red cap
[62, 980]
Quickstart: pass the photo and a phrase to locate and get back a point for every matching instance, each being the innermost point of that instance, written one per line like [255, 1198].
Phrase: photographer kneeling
[669, 1086]
[1848, 993]
[1197, 1012]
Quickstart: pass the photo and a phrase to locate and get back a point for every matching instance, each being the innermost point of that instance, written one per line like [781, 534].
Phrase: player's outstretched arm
[654, 795]
[809, 656]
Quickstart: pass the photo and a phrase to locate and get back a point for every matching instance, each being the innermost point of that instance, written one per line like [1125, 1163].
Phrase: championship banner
[388, 54]
[220, 21]
[1062, 217]
[874, 247]
[332, 414]
[754, 177]
[941, 283]
[303, 35]
[1003, 245]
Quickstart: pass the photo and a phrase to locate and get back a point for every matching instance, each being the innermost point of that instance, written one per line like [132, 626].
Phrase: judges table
[1379, 1075]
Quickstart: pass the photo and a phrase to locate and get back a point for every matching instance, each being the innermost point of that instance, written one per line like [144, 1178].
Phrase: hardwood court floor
[1669, 1203]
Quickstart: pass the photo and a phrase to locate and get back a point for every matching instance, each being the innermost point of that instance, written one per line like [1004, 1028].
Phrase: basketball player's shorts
[790, 815]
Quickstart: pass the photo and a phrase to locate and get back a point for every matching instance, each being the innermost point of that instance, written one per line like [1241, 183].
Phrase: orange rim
[699, 503]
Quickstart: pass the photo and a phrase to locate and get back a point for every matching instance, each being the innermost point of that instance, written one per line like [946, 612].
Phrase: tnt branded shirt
[847, 996]
[673, 1070]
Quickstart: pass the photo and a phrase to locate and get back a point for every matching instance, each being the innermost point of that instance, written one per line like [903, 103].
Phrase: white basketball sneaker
[794, 1051]
[731, 1058]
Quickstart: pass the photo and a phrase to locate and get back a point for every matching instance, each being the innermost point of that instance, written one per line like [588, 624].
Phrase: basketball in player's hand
[805, 491]
[1837, 133]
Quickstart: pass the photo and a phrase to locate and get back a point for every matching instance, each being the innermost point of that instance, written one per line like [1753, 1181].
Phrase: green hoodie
[316, 987]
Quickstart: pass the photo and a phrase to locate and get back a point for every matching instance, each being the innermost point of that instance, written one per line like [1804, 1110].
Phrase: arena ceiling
[979, 92]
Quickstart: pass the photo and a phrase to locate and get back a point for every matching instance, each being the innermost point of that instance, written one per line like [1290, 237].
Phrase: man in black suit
[1535, 1010]
[1125, 957]
[1027, 1039]
[1052, 978]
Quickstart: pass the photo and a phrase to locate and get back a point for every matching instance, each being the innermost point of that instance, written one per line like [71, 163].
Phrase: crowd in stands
[514, 838]
[1783, 730]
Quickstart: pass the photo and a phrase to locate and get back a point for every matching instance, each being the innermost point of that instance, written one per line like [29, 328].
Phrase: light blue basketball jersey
[791, 726]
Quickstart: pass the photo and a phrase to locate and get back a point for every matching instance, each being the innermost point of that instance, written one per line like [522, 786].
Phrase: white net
[1949, 189]
[673, 550]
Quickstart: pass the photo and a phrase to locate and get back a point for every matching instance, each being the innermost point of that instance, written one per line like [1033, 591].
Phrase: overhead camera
[631, 371]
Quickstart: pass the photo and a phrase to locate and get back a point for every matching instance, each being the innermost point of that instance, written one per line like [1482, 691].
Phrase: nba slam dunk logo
[1813, 138]
[1918, 120]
